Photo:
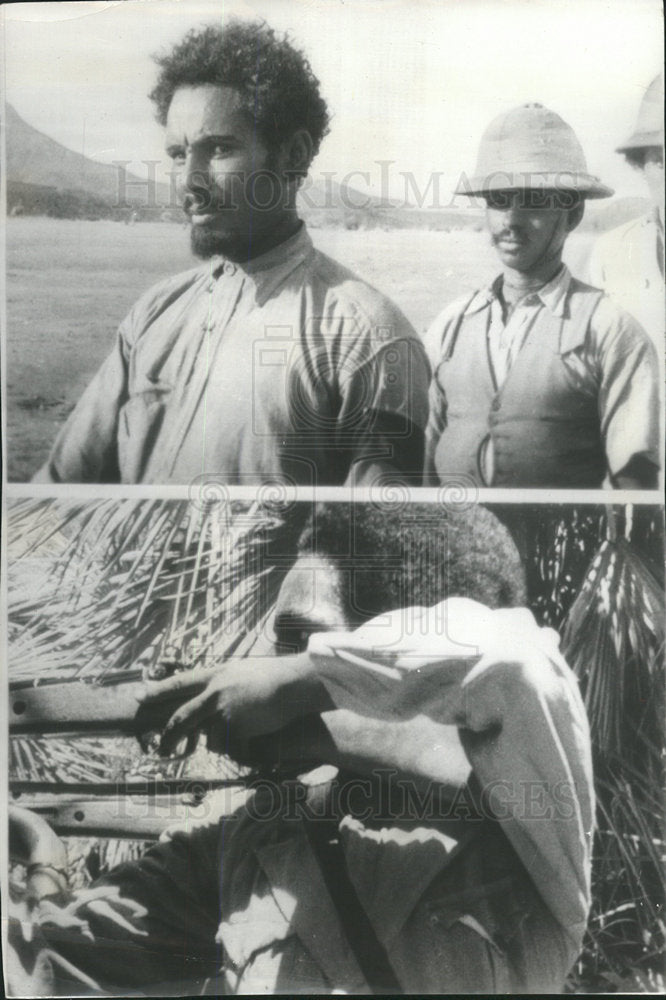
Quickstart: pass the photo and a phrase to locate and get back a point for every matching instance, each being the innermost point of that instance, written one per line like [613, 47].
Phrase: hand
[639, 474]
[243, 699]
[32, 841]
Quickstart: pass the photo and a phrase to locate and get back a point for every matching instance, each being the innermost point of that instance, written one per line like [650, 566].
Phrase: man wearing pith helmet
[628, 262]
[539, 380]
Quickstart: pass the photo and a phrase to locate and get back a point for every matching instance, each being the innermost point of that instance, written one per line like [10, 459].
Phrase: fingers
[103, 910]
[31, 839]
[185, 719]
[190, 681]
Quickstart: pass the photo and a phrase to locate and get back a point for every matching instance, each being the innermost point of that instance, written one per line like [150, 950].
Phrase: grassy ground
[70, 282]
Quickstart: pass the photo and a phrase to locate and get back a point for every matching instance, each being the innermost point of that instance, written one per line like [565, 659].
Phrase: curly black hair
[278, 88]
[417, 556]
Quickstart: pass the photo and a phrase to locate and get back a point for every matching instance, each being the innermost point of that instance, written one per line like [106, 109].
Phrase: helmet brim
[642, 140]
[585, 185]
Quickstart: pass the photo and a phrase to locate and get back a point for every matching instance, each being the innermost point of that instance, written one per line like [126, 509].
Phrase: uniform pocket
[465, 933]
[451, 947]
[577, 375]
[481, 923]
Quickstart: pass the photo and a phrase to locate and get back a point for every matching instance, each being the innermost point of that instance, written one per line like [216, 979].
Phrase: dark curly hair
[417, 556]
[278, 88]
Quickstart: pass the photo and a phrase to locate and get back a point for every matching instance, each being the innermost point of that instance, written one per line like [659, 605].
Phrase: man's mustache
[205, 202]
[512, 235]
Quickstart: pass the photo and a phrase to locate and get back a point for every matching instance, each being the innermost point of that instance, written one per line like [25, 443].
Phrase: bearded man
[268, 361]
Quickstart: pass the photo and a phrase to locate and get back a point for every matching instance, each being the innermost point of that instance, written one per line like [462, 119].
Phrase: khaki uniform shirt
[462, 904]
[287, 368]
[628, 263]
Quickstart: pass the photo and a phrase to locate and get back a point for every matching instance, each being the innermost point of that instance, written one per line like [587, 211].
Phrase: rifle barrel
[112, 706]
[80, 707]
[131, 817]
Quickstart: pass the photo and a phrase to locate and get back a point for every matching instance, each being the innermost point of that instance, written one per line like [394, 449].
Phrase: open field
[70, 283]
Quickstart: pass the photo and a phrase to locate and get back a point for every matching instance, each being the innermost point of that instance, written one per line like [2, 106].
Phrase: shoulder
[346, 296]
[448, 319]
[159, 297]
[628, 233]
[608, 322]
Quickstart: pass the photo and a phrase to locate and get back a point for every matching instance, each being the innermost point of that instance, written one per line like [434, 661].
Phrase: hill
[35, 159]
[46, 178]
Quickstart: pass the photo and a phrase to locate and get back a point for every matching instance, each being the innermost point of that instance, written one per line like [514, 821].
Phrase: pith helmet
[532, 147]
[649, 129]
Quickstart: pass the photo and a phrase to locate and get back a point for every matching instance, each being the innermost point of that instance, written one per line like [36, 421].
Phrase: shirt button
[495, 405]
[229, 268]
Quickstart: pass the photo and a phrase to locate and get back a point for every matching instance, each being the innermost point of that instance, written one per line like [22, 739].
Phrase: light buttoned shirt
[493, 901]
[286, 368]
[507, 336]
[628, 263]
[606, 356]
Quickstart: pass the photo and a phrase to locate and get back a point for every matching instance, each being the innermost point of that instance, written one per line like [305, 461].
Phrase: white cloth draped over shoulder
[503, 681]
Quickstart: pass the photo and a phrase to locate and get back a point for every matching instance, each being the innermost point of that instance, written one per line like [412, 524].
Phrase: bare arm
[278, 710]
[417, 749]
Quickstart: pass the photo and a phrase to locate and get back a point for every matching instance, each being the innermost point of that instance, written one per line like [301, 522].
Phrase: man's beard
[206, 243]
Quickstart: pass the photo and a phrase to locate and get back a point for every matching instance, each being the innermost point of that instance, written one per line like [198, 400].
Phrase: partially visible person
[539, 380]
[452, 852]
[628, 262]
[268, 361]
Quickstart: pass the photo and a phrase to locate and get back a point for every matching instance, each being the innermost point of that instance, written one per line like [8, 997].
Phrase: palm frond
[613, 638]
[614, 641]
[137, 582]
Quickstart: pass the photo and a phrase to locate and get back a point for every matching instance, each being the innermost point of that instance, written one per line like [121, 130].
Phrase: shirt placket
[223, 291]
[508, 339]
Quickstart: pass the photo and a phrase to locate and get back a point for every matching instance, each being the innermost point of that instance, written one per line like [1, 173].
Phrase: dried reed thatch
[97, 588]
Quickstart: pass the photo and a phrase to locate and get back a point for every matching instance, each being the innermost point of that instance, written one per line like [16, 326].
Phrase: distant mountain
[34, 158]
[38, 166]
[327, 203]
[44, 177]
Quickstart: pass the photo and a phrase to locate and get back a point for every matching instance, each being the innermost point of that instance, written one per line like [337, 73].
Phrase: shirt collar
[267, 271]
[553, 295]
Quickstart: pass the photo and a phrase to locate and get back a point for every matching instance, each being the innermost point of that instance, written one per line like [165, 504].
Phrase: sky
[412, 83]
